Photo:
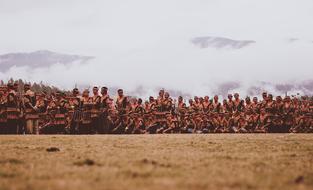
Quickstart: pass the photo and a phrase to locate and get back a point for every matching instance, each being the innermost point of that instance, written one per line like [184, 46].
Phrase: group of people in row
[28, 112]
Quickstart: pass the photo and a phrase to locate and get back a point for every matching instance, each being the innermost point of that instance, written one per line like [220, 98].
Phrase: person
[180, 103]
[30, 110]
[238, 103]
[138, 107]
[288, 114]
[139, 124]
[264, 99]
[256, 105]
[95, 111]
[75, 111]
[206, 104]
[230, 104]
[12, 111]
[61, 122]
[87, 104]
[3, 117]
[216, 105]
[262, 122]
[104, 98]
[121, 102]
[42, 104]
[166, 103]
[104, 108]
[151, 105]
[248, 104]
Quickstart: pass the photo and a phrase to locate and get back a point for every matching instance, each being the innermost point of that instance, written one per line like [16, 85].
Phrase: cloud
[142, 46]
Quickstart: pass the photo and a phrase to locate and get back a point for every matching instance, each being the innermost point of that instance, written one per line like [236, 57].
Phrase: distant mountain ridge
[41, 58]
[220, 42]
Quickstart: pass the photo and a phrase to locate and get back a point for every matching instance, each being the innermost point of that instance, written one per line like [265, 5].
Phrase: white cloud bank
[143, 43]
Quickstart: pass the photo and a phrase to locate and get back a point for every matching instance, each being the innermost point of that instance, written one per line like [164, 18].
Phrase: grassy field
[217, 161]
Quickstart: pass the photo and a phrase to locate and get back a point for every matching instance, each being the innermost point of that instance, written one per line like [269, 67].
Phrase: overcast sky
[148, 43]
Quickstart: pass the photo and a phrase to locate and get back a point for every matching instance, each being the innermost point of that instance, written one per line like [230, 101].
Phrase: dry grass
[219, 161]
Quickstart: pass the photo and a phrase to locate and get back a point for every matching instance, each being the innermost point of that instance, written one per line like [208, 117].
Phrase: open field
[218, 161]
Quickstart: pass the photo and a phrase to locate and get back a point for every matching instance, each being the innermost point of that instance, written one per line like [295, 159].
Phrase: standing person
[87, 104]
[167, 104]
[61, 114]
[12, 110]
[159, 101]
[30, 110]
[121, 102]
[3, 105]
[75, 111]
[95, 111]
[248, 104]
[216, 105]
[238, 103]
[206, 104]
[151, 105]
[104, 108]
[256, 105]
[230, 104]
[264, 100]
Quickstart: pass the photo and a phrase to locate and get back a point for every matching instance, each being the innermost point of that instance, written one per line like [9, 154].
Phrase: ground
[215, 161]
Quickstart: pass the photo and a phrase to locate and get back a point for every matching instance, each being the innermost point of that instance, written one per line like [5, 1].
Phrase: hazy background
[143, 45]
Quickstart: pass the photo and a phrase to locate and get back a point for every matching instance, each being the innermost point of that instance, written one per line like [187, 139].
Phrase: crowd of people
[28, 112]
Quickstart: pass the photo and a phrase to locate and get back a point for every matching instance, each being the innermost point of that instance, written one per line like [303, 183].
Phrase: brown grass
[166, 162]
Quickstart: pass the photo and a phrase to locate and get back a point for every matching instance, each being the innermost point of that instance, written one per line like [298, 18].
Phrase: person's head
[146, 103]
[58, 94]
[86, 93]
[104, 90]
[224, 102]
[75, 92]
[206, 98]
[26, 87]
[95, 90]
[278, 99]
[180, 99]
[139, 101]
[255, 100]
[230, 96]
[190, 101]
[120, 92]
[196, 99]
[287, 99]
[216, 98]
[236, 95]
[151, 99]
[264, 95]
[248, 100]
[201, 100]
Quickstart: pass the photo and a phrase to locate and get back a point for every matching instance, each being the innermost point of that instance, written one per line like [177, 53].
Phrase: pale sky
[142, 42]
